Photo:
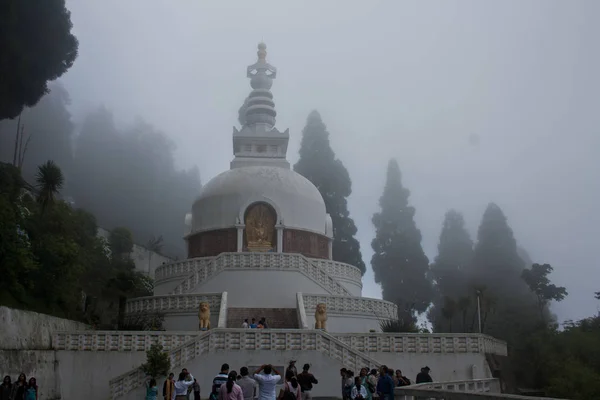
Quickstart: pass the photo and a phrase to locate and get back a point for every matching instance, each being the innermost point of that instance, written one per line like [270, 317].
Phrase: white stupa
[259, 241]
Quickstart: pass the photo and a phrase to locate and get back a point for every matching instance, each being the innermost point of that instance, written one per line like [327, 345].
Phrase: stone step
[277, 318]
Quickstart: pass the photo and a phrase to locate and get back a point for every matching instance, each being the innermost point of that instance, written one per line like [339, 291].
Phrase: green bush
[157, 362]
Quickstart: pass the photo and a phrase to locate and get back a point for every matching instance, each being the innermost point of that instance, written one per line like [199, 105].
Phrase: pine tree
[399, 263]
[318, 164]
[497, 268]
[455, 253]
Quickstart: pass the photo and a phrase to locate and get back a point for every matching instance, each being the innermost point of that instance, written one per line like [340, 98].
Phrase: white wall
[29, 330]
[258, 288]
[25, 347]
[86, 374]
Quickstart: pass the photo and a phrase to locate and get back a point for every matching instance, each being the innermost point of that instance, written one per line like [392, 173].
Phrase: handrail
[172, 303]
[410, 393]
[184, 268]
[424, 343]
[264, 261]
[355, 305]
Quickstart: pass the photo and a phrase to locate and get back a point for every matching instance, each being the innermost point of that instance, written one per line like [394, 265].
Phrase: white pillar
[279, 238]
[240, 237]
[330, 249]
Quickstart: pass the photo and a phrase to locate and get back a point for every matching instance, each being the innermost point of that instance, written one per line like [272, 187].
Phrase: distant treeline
[125, 177]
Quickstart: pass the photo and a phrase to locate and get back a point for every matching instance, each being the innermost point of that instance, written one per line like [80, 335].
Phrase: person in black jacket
[306, 381]
[6, 389]
[423, 376]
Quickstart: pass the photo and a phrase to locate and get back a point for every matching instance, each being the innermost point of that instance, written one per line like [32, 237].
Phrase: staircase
[277, 318]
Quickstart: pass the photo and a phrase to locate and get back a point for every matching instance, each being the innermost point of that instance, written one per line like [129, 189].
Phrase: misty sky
[479, 101]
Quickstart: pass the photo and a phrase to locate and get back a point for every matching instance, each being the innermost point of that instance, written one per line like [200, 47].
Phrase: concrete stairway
[277, 318]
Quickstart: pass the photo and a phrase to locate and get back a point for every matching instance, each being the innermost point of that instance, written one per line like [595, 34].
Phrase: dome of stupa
[224, 200]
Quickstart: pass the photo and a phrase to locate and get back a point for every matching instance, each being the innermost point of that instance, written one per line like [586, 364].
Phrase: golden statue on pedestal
[260, 227]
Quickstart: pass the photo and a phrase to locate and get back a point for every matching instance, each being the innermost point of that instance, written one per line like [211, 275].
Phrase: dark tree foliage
[497, 267]
[36, 46]
[399, 263]
[450, 272]
[158, 362]
[129, 179]
[16, 259]
[538, 282]
[49, 129]
[318, 164]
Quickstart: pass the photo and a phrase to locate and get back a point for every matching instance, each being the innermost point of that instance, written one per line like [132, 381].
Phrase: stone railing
[222, 321]
[381, 309]
[181, 268]
[172, 303]
[423, 343]
[414, 392]
[263, 261]
[487, 385]
[119, 340]
[190, 266]
[244, 339]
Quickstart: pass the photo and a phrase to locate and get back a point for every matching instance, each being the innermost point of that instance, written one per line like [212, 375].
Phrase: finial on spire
[262, 52]
[260, 107]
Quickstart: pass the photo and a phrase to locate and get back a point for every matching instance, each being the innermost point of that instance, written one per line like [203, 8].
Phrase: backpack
[288, 394]
[370, 386]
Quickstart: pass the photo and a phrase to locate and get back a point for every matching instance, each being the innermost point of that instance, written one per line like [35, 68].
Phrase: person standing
[247, 384]
[18, 391]
[401, 380]
[245, 324]
[369, 387]
[151, 389]
[292, 367]
[385, 386]
[221, 377]
[423, 376]
[196, 389]
[291, 388]
[230, 390]
[306, 381]
[253, 324]
[169, 387]
[6, 388]
[267, 378]
[358, 392]
[182, 385]
[31, 392]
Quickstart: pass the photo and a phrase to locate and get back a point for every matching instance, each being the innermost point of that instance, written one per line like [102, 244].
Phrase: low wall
[26, 347]
[27, 330]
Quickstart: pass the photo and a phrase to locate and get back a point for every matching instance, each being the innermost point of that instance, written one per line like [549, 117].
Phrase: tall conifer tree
[497, 267]
[318, 164]
[455, 253]
[399, 263]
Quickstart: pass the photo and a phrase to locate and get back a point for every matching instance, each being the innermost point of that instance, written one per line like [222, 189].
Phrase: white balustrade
[429, 343]
[486, 385]
[172, 303]
[381, 309]
[263, 261]
[119, 340]
[191, 266]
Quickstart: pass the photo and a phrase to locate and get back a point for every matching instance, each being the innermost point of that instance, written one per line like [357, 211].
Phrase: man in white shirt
[267, 382]
[245, 324]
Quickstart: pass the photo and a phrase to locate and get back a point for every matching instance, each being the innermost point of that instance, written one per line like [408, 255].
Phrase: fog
[478, 101]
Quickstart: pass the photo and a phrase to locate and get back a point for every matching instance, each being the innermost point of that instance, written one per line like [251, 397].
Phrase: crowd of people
[262, 384]
[377, 383]
[22, 389]
[262, 324]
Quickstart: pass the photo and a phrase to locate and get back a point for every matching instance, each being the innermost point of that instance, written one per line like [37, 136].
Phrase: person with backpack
[306, 381]
[291, 388]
